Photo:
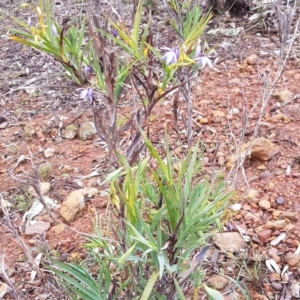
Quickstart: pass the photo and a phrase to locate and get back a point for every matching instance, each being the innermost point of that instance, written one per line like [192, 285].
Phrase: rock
[280, 200]
[89, 191]
[229, 241]
[37, 207]
[36, 227]
[218, 282]
[264, 235]
[252, 195]
[289, 227]
[230, 162]
[276, 225]
[219, 113]
[236, 206]
[292, 111]
[87, 130]
[44, 188]
[264, 204]
[70, 132]
[49, 152]
[74, 203]
[292, 242]
[259, 229]
[261, 167]
[293, 260]
[234, 111]
[283, 95]
[273, 253]
[290, 215]
[58, 229]
[278, 118]
[259, 148]
[252, 59]
[277, 286]
[247, 207]
[262, 149]
[203, 121]
[249, 216]
[72, 206]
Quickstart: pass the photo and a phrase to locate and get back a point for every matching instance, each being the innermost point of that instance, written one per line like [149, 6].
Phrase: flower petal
[90, 94]
[54, 30]
[83, 94]
[115, 32]
[29, 22]
[197, 52]
[209, 62]
[176, 52]
[88, 69]
[203, 61]
[168, 58]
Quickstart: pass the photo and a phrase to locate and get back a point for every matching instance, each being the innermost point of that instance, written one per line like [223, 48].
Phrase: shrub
[161, 219]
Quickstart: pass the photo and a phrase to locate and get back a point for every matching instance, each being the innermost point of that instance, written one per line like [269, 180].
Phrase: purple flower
[229, 226]
[171, 57]
[203, 61]
[88, 69]
[115, 33]
[87, 93]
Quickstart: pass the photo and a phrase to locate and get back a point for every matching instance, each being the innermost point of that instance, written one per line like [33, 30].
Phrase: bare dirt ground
[269, 191]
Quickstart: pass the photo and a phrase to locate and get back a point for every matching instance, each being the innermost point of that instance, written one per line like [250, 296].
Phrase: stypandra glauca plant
[130, 58]
[162, 218]
[64, 43]
[189, 23]
[114, 63]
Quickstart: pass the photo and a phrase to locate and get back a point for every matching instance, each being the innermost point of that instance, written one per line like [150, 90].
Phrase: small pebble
[279, 200]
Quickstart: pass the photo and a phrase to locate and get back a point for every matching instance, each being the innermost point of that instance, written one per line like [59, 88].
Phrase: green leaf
[149, 286]
[136, 27]
[114, 175]
[216, 295]
[21, 32]
[75, 284]
[156, 52]
[124, 257]
[155, 155]
[21, 23]
[179, 290]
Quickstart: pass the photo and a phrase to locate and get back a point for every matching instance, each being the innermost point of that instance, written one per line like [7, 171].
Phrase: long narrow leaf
[216, 295]
[124, 257]
[149, 286]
